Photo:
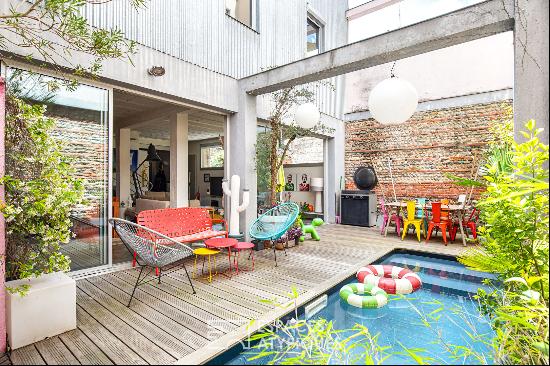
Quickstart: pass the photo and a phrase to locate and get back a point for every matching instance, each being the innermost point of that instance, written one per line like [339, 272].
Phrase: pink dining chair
[398, 220]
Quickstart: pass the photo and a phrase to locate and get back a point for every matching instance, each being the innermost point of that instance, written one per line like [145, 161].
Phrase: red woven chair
[469, 223]
[438, 221]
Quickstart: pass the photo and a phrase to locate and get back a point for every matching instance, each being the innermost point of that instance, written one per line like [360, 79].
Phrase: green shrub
[514, 245]
[40, 189]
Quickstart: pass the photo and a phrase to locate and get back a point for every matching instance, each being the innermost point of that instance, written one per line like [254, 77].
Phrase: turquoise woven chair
[421, 212]
[273, 224]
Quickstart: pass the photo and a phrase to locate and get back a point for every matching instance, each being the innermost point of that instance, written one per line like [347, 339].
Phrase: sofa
[152, 201]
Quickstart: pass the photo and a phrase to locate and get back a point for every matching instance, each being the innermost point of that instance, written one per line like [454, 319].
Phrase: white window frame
[314, 17]
[213, 144]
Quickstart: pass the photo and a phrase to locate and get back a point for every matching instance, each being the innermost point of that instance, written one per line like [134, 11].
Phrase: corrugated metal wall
[199, 32]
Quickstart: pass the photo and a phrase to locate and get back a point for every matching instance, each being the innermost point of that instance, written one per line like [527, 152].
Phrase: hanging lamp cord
[392, 74]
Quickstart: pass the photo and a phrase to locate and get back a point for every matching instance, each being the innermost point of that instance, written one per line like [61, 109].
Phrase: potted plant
[41, 191]
[295, 233]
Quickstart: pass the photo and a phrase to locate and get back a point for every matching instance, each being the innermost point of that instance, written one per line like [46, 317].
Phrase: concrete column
[334, 169]
[531, 65]
[242, 152]
[123, 170]
[226, 202]
[2, 222]
[179, 160]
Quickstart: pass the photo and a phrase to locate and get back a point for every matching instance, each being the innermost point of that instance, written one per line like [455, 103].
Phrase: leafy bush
[40, 189]
[514, 246]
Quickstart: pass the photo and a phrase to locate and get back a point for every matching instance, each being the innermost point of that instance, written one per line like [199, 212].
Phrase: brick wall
[305, 150]
[423, 150]
[85, 143]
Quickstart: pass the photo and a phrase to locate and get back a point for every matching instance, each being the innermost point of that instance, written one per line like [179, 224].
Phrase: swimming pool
[445, 301]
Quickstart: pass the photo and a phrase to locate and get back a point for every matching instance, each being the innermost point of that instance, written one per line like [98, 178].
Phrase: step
[450, 285]
[448, 268]
[439, 261]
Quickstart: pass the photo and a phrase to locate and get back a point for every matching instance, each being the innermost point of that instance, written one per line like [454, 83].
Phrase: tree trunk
[273, 160]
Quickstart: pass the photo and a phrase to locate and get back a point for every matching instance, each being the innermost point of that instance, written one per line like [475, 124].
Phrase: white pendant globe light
[393, 101]
[307, 115]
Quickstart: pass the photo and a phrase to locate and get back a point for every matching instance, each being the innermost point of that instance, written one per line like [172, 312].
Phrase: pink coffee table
[222, 243]
[240, 246]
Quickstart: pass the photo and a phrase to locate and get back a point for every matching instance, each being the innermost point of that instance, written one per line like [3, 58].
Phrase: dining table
[458, 210]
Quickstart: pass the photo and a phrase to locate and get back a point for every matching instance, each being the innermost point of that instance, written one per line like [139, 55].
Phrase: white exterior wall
[479, 66]
[200, 32]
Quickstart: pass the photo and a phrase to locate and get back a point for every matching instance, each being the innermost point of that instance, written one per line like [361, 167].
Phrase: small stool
[205, 252]
[240, 246]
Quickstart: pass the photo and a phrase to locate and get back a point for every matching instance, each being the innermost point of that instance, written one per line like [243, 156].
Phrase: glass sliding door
[81, 115]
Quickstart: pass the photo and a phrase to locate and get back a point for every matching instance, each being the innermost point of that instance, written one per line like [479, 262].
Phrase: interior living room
[154, 133]
[156, 145]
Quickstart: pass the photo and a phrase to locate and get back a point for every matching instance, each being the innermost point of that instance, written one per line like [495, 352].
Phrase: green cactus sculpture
[310, 229]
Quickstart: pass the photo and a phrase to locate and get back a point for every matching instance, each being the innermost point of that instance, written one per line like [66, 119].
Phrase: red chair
[469, 223]
[438, 221]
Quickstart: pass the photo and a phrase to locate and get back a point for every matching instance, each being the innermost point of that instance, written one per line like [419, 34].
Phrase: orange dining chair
[445, 213]
[412, 220]
[437, 221]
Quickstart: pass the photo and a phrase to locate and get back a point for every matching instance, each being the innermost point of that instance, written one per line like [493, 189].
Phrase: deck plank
[152, 331]
[193, 340]
[27, 355]
[193, 320]
[183, 292]
[206, 299]
[167, 321]
[113, 347]
[166, 294]
[54, 352]
[84, 349]
[140, 344]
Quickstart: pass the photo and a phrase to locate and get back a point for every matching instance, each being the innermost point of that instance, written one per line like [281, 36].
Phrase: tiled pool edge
[226, 342]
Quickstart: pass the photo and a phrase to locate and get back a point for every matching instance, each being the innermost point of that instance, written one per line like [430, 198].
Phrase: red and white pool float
[392, 279]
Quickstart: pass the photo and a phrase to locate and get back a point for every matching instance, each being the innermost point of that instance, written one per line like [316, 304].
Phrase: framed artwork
[304, 183]
[207, 177]
[290, 185]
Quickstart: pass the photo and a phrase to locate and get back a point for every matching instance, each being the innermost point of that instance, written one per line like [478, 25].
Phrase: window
[212, 156]
[313, 37]
[241, 10]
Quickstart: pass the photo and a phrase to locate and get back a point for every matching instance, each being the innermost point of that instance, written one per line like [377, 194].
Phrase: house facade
[188, 113]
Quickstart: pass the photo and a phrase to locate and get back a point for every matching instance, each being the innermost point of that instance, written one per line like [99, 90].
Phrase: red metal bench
[185, 224]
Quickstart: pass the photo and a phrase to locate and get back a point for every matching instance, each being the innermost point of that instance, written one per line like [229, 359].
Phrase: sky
[399, 15]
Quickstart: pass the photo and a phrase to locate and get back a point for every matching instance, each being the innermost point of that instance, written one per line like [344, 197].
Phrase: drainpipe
[2, 224]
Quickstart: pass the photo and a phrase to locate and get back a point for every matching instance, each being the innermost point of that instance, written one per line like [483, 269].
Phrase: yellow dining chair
[412, 220]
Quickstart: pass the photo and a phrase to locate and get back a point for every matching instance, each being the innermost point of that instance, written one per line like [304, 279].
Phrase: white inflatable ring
[392, 279]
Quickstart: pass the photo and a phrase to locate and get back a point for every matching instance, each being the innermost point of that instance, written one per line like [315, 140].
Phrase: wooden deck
[167, 324]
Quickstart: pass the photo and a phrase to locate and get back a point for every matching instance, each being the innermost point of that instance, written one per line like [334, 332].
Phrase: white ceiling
[131, 107]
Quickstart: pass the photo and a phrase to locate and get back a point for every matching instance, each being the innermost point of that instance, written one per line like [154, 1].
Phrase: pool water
[446, 294]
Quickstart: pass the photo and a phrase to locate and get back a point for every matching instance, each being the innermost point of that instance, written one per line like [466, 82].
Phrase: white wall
[474, 67]
[315, 171]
